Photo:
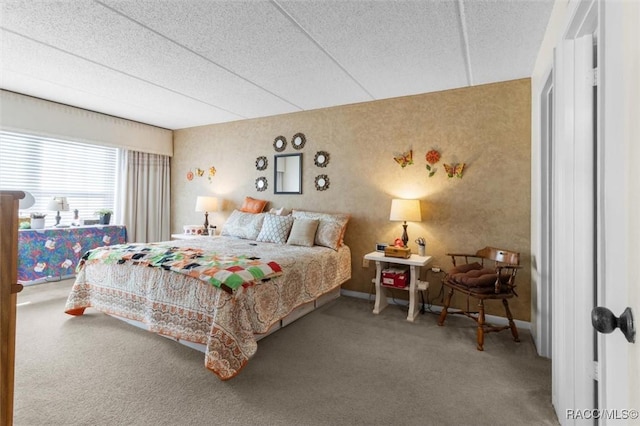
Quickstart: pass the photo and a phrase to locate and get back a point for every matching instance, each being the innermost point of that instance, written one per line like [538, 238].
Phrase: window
[47, 168]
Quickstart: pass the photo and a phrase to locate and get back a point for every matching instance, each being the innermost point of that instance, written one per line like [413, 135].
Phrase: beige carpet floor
[340, 365]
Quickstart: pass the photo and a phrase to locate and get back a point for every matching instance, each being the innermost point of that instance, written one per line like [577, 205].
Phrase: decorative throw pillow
[280, 212]
[331, 228]
[275, 229]
[243, 225]
[253, 205]
[303, 232]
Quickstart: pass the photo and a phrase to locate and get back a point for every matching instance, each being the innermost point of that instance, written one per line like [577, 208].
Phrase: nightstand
[190, 236]
[415, 262]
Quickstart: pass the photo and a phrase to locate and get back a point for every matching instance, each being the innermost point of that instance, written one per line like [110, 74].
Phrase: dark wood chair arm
[466, 257]
[510, 271]
[513, 267]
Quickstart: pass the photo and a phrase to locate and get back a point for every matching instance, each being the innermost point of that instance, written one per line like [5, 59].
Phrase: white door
[597, 175]
[619, 206]
[574, 235]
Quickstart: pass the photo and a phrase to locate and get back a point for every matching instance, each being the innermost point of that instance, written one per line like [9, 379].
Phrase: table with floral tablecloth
[53, 253]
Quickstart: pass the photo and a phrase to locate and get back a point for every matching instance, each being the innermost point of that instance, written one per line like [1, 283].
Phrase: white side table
[415, 262]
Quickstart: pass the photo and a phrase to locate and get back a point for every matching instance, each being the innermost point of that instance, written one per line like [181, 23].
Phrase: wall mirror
[261, 183]
[321, 159]
[279, 143]
[298, 141]
[261, 163]
[322, 182]
[288, 174]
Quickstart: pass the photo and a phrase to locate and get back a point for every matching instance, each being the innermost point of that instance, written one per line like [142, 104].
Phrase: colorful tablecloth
[51, 253]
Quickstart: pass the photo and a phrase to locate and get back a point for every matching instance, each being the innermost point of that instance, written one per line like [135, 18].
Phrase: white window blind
[47, 168]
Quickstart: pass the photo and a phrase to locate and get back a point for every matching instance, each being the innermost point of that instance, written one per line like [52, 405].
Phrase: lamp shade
[27, 202]
[206, 204]
[407, 210]
[59, 204]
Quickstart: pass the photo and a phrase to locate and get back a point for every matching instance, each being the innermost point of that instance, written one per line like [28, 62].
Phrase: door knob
[605, 321]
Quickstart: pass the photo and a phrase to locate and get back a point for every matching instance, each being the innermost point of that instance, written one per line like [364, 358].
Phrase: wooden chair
[488, 274]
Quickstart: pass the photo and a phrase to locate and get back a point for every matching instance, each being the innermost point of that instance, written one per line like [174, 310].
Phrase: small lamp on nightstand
[58, 204]
[405, 210]
[206, 205]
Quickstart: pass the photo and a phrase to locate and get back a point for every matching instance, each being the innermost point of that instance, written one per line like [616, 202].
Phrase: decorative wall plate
[280, 143]
[322, 182]
[321, 159]
[261, 163]
[261, 183]
[298, 140]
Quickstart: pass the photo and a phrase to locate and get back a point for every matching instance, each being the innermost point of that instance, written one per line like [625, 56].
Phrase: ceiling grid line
[118, 71]
[293, 20]
[465, 41]
[199, 55]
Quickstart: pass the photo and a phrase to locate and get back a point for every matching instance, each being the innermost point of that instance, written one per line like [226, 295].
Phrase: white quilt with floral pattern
[186, 308]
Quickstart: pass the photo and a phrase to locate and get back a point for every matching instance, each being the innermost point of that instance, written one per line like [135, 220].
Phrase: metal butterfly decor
[454, 170]
[405, 159]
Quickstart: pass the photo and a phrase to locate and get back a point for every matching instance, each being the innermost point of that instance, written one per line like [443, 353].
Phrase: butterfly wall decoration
[454, 170]
[405, 159]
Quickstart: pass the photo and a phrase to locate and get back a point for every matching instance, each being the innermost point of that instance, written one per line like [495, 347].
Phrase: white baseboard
[524, 325]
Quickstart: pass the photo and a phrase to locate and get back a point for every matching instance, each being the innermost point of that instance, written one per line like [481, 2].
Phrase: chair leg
[443, 313]
[514, 330]
[480, 320]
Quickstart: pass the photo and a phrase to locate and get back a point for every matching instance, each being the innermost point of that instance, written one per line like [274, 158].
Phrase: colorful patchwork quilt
[228, 272]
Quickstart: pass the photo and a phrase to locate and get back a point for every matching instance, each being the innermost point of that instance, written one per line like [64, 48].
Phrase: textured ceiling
[178, 64]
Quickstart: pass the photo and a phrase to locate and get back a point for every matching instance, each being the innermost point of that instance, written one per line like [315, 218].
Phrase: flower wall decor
[200, 173]
[432, 158]
[405, 159]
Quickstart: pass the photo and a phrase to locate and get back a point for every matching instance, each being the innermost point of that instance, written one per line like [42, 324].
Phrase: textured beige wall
[487, 127]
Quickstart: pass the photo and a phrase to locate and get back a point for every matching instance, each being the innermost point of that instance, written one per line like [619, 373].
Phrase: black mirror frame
[275, 173]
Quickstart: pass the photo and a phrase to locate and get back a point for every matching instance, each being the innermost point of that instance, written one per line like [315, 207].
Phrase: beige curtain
[145, 196]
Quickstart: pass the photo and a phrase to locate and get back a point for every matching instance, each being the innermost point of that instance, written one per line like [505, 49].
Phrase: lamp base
[405, 236]
[206, 224]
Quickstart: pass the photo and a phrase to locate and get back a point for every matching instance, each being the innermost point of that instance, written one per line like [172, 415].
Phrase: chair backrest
[499, 255]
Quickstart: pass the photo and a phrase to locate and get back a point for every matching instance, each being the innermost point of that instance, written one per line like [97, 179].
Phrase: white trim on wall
[26, 114]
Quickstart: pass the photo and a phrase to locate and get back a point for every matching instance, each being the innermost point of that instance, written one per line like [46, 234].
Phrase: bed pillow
[243, 225]
[280, 212]
[303, 232]
[253, 205]
[275, 229]
[331, 228]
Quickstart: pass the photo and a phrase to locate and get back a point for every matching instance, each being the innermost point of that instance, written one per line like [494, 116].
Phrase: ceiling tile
[391, 48]
[257, 42]
[504, 37]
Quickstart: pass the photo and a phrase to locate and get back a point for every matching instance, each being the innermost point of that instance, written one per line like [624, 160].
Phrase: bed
[225, 322]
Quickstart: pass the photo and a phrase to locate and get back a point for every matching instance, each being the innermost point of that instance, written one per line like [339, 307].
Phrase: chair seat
[474, 278]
